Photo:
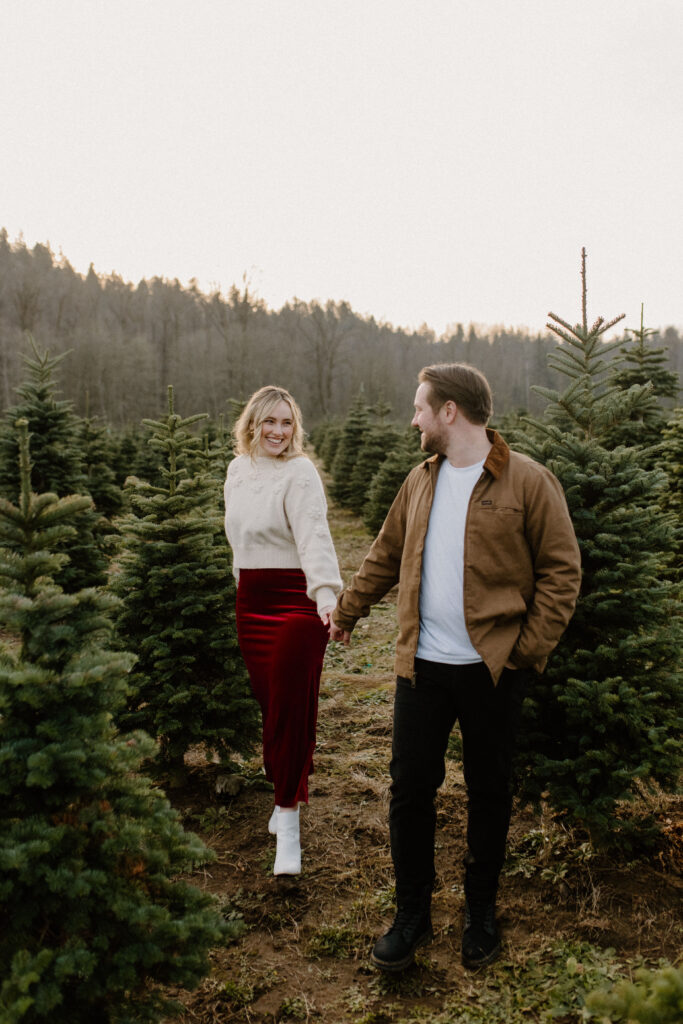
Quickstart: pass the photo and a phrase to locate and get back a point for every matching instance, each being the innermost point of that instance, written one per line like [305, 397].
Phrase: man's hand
[339, 634]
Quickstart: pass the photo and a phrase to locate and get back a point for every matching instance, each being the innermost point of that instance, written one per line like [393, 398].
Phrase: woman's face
[276, 430]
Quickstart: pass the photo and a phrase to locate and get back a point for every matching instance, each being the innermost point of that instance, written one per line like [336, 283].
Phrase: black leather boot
[411, 929]
[480, 938]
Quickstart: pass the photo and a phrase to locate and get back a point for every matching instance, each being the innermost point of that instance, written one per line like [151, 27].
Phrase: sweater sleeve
[306, 511]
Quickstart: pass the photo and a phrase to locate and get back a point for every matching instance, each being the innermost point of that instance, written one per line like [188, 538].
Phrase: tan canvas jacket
[522, 565]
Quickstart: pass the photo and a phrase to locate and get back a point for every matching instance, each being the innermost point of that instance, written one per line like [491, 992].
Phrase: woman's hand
[326, 615]
[339, 634]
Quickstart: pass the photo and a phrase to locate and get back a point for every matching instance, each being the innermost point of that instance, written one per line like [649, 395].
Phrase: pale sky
[430, 161]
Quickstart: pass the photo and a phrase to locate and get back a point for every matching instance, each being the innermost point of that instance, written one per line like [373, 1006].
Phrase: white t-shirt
[443, 634]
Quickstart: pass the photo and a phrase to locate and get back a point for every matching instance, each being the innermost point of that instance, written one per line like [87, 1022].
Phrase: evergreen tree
[190, 685]
[57, 465]
[329, 444]
[99, 451]
[670, 461]
[385, 484]
[351, 440]
[219, 452]
[379, 441]
[604, 721]
[640, 363]
[125, 447]
[91, 919]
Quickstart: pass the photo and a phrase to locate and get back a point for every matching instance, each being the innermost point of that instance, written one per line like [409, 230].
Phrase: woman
[288, 581]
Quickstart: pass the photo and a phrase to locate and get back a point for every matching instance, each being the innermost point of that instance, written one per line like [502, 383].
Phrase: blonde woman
[288, 582]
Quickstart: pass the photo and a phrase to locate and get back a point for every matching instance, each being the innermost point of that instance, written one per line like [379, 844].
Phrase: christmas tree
[327, 446]
[189, 685]
[57, 466]
[670, 461]
[351, 440]
[385, 484]
[92, 922]
[379, 440]
[642, 363]
[604, 721]
[99, 452]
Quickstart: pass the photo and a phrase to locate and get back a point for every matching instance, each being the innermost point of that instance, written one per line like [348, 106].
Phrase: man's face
[433, 436]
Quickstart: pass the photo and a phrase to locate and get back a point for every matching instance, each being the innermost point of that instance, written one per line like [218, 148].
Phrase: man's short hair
[462, 384]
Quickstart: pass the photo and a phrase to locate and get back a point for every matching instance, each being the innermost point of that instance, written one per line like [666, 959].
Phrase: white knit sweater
[276, 518]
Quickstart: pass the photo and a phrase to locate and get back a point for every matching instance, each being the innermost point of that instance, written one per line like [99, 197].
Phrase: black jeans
[424, 714]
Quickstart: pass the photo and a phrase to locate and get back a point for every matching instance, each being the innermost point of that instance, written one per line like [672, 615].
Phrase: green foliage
[353, 434]
[655, 997]
[189, 685]
[403, 457]
[640, 364]
[380, 439]
[99, 448]
[550, 986]
[56, 464]
[92, 922]
[327, 443]
[133, 456]
[218, 449]
[605, 718]
[340, 941]
[670, 461]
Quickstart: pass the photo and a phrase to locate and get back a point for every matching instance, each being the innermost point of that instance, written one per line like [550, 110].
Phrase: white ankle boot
[272, 824]
[288, 853]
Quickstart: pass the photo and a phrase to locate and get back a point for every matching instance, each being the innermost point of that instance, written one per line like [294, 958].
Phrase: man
[480, 541]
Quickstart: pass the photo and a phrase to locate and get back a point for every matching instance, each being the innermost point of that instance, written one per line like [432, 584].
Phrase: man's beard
[433, 442]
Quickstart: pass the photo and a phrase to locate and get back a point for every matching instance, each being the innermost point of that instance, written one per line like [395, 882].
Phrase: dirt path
[303, 951]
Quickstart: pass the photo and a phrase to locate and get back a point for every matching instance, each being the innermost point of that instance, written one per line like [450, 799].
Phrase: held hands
[339, 634]
[335, 632]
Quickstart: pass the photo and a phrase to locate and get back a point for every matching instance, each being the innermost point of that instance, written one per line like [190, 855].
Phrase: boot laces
[408, 919]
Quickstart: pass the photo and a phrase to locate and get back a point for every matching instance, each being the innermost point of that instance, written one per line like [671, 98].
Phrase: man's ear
[450, 411]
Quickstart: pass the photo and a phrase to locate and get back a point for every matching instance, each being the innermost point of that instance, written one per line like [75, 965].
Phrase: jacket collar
[496, 460]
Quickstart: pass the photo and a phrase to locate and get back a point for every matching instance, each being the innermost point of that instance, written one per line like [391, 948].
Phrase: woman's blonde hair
[247, 430]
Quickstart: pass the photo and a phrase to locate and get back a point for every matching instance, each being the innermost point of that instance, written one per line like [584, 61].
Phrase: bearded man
[480, 542]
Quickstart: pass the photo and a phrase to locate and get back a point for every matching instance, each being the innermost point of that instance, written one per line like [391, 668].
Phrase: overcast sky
[435, 161]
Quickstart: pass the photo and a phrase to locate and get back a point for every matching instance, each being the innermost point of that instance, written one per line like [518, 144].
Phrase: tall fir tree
[189, 686]
[99, 453]
[641, 362]
[385, 484]
[380, 441]
[670, 461]
[327, 447]
[604, 721]
[57, 467]
[92, 919]
[351, 440]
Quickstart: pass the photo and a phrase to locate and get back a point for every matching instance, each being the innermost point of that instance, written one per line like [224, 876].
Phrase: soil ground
[303, 951]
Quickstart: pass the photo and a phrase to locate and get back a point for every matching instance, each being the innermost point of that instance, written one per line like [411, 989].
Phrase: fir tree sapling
[327, 447]
[385, 484]
[604, 722]
[353, 435]
[92, 920]
[189, 686]
[57, 463]
[379, 440]
[642, 363]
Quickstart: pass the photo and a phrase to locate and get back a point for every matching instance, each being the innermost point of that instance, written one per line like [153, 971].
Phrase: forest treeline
[128, 342]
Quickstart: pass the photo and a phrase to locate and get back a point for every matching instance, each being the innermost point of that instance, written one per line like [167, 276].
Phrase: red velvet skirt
[283, 643]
